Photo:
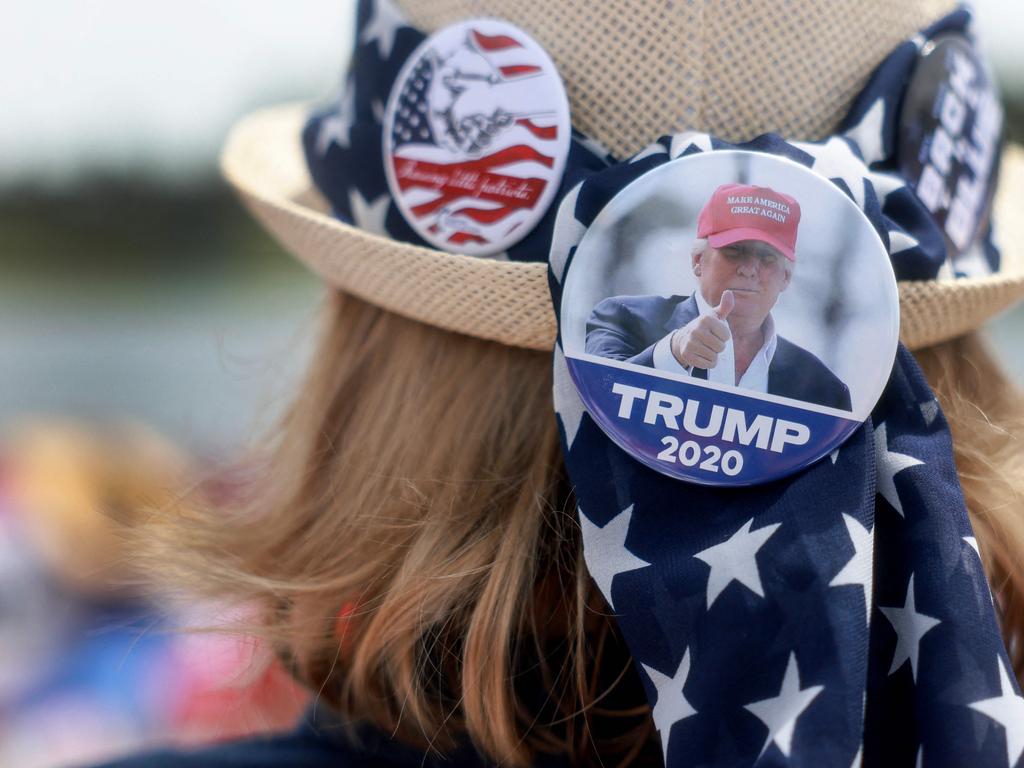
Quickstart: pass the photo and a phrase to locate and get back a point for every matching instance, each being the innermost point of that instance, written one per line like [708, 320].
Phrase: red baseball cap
[738, 212]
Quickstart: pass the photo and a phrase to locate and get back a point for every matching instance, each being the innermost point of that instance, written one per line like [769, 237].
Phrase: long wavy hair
[411, 546]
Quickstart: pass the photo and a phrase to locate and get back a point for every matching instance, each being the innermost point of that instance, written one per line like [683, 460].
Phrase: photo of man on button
[743, 259]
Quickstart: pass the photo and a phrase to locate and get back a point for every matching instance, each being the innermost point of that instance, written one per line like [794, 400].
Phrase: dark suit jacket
[628, 327]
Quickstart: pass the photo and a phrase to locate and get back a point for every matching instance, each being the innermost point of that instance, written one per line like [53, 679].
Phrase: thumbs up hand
[698, 343]
[725, 305]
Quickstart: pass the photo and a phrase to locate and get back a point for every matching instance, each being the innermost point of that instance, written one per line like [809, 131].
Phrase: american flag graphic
[411, 123]
[344, 143]
[471, 153]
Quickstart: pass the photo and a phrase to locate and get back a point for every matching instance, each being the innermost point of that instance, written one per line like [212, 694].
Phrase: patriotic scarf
[836, 617]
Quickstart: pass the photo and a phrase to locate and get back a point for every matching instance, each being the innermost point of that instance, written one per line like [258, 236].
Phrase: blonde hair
[414, 550]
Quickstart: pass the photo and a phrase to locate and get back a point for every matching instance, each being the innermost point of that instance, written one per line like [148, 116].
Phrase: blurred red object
[230, 687]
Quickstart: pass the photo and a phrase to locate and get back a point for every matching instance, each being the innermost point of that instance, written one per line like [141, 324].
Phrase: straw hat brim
[509, 302]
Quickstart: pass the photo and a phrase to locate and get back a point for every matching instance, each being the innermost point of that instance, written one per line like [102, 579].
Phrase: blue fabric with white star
[839, 617]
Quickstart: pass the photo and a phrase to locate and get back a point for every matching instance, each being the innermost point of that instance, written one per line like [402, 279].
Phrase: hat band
[344, 151]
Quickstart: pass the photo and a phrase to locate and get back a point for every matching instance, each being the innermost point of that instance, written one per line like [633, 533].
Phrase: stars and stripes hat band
[837, 617]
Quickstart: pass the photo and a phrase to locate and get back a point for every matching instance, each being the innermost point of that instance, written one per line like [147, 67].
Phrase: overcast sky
[112, 85]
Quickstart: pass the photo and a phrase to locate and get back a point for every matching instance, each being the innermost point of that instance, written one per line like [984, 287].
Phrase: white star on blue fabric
[885, 184]
[568, 404]
[868, 133]
[929, 410]
[593, 146]
[382, 27]
[1007, 709]
[972, 542]
[683, 141]
[567, 233]
[336, 128]
[910, 627]
[888, 464]
[604, 550]
[901, 241]
[650, 150]
[377, 106]
[672, 705]
[834, 159]
[858, 571]
[735, 559]
[781, 712]
[369, 216]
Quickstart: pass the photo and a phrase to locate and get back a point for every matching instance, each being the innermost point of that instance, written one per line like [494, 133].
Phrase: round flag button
[950, 137]
[730, 317]
[476, 135]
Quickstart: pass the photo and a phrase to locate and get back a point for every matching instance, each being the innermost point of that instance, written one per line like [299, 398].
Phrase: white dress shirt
[756, 376]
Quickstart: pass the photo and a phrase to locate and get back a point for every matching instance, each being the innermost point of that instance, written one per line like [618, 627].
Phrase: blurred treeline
[129, 229]
[134, 228]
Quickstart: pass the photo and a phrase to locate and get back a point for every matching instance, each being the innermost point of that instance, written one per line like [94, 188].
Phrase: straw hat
[634, 70]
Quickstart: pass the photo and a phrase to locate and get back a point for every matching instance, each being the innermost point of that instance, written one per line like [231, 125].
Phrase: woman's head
[412, 539]
[412, 542]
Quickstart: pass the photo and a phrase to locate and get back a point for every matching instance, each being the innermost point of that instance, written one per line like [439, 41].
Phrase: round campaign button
[730, 317]
[476, 135]
[950, 137]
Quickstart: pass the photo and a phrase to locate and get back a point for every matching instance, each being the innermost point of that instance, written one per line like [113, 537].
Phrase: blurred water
[205, 365]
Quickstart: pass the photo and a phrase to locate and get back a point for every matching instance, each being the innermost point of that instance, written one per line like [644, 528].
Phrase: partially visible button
[950, 137]
[476, 136]
[764, 278]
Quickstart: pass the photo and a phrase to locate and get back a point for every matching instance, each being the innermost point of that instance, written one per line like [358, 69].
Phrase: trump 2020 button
[476, 136]
[730, 317]
[950, 138]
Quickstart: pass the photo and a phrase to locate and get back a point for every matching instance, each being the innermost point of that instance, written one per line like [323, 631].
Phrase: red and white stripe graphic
[481, 203]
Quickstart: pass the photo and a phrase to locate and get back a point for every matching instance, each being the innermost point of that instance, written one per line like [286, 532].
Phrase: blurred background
[148, 326]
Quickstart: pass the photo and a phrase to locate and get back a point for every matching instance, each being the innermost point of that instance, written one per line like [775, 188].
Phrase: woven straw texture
[508, 301]
[636, 69]
[498, 300]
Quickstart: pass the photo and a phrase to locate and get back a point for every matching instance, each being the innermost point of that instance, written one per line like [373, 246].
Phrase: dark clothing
[320, 741]
[627, 328]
